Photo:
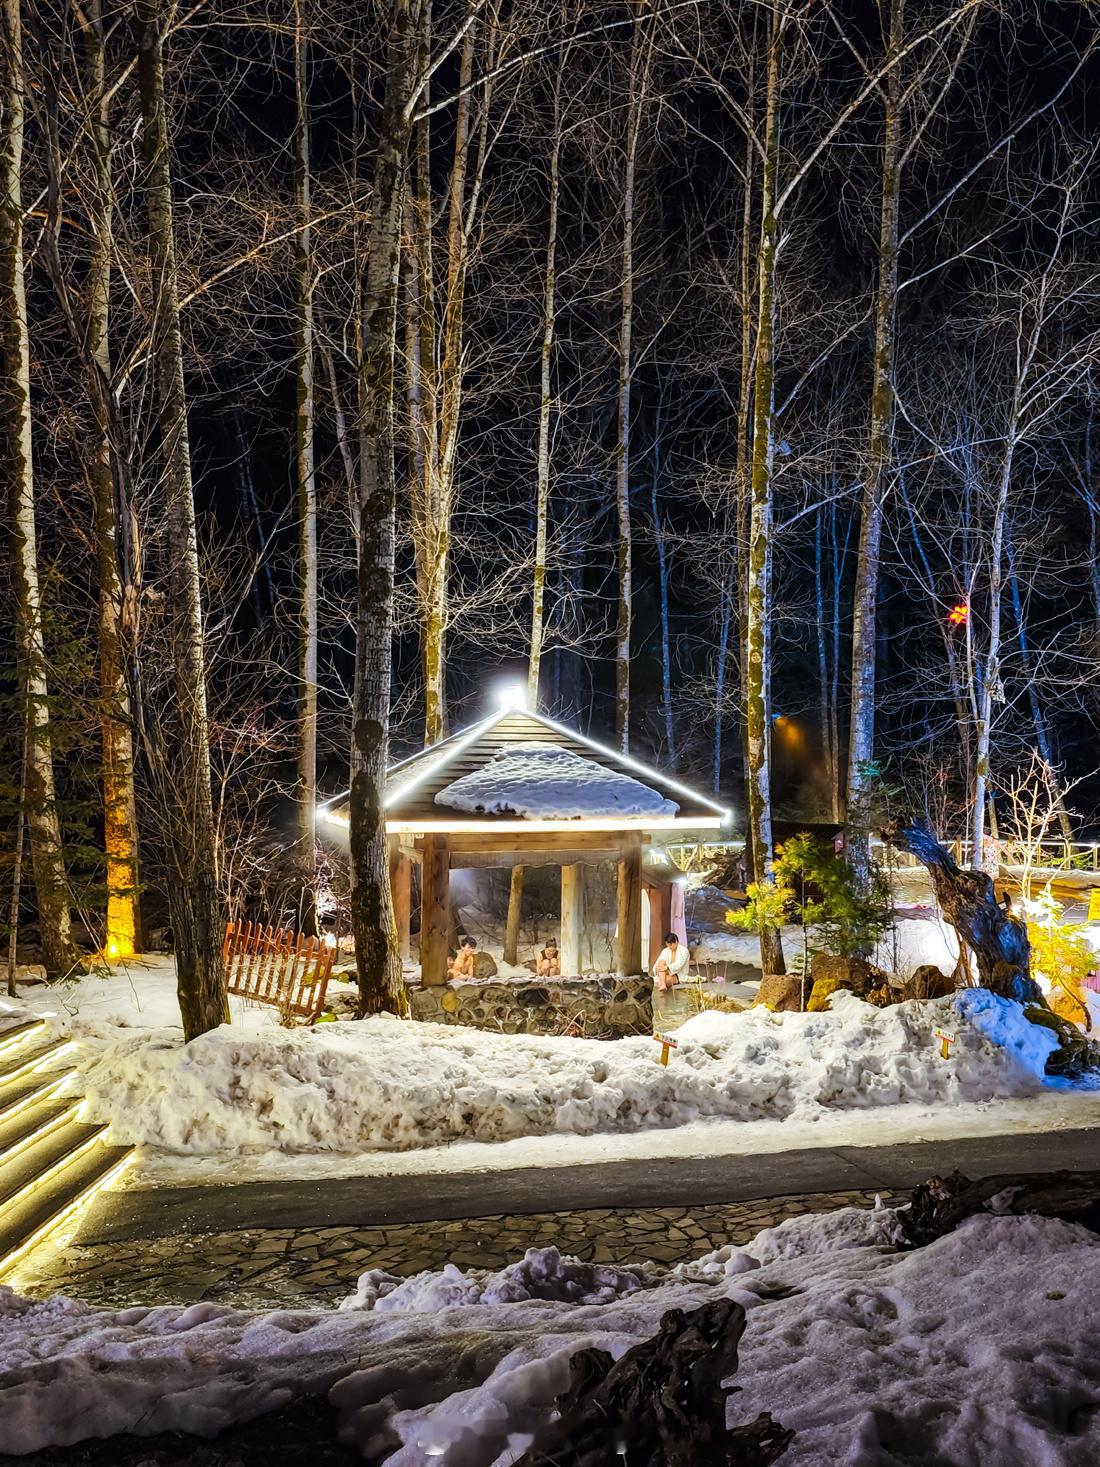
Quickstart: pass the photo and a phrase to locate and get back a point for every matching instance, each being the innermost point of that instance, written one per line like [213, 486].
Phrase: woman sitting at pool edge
[671, 962]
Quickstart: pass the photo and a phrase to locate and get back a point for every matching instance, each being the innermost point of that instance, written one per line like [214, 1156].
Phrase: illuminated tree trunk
[990, 689]
[824, 680]
[758, 610]
[377, 951]
[861, 742]
[624, 548]
[542, 456]
[727, 616]
[430, 516]
[542, 491]
[17, 867]
[306, 792]
[439, 380]
[123, 927]
[737, 593]
[59, 952]
[1038, 719]
[193, 892]
[662, 593]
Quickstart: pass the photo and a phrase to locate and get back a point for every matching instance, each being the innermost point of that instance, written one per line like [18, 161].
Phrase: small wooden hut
[520, 789]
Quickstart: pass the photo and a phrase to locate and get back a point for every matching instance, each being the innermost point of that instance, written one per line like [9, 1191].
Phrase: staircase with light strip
[51, 1164]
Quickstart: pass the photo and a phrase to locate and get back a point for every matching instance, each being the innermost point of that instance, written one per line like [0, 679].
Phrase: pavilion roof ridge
[417, 777]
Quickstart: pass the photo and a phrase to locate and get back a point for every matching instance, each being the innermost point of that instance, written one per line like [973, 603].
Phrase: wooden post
[628, 943]
[435, 909]
[660, 917]
[401, 885]
[572, 920]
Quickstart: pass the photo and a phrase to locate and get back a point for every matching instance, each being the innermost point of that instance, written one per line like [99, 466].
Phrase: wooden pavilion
[423, 830]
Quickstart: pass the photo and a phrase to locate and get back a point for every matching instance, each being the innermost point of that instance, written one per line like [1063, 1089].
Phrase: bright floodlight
[511, 695]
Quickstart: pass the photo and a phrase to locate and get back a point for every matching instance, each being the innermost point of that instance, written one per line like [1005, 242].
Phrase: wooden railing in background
[278, 967]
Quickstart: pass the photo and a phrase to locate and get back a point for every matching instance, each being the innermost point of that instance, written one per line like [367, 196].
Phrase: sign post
[666, 1042]
[946, 1038]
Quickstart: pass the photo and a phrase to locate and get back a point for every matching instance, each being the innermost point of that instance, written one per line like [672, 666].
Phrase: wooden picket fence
[277, 966]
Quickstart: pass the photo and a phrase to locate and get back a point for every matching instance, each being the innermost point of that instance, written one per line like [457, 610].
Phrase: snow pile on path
[979, 1349]
[380, 1084]
[541, 782]
[542, 1273]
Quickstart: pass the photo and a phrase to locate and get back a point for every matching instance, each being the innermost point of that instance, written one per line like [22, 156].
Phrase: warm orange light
[959, 614]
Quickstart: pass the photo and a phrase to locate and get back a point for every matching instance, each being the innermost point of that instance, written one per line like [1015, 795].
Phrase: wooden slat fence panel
[279, 967]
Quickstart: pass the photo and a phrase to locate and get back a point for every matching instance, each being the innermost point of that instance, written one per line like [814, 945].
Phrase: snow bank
[978, 1349]
[542, 1273]
[541, 782]
[383, 1085]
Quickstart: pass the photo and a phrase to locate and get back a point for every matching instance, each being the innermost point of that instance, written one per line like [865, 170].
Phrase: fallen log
[662, 1404]
[939, 1205]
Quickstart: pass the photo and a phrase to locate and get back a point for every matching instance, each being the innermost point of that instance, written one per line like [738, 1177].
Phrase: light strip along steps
[51, 1164]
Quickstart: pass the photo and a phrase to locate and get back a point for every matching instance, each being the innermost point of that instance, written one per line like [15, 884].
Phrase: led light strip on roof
[454, 746]
[633, 763]
[526, 827]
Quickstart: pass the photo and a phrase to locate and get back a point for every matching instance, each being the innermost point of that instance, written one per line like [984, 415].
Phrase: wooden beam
[572, 920]
[660, 918]
[435, 910]
[628, 937]
[401, 886]
[517, 846]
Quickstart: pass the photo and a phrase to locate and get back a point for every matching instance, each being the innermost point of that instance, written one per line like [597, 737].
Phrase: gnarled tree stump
[998, 940]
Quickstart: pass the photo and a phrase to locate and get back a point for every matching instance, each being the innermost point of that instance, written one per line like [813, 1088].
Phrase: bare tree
[377, 954]
[306, 476]
[193, 892]
[51, 885]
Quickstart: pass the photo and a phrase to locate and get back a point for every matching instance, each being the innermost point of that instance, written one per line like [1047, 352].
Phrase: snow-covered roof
[546, 782]
[647, 796]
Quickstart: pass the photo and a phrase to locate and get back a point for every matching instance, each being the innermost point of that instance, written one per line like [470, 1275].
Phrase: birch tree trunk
[305, 466]
[758, 628]
[17, 865]
[377, 953]
[737, 601]
[59, 952]
[861, 741]
[120, 833]
[990, 689]
[542, 489]
[542, 454]
[436, 380]
[727, 598]
[193, 894]
[624, 549]
[1038, 718]
[824, 680]
[662, 592]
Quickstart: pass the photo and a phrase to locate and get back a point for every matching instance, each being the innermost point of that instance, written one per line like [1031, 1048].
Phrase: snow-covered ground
[979, 1350]
[139, 994]
[382, 1085]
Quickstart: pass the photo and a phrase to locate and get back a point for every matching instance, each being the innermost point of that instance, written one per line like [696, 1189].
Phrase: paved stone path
[281, 1267]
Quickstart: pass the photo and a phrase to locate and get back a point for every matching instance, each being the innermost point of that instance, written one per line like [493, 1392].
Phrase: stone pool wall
[604, 1006]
